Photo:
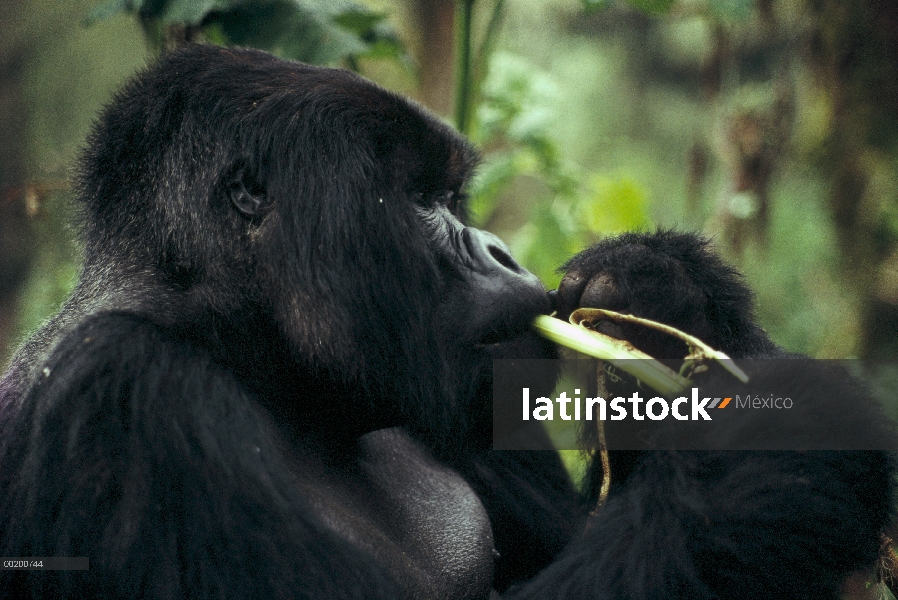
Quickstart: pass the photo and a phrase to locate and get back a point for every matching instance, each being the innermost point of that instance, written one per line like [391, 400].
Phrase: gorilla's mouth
[506, 333]
[526, 343]
[499, 337]
[512, 319]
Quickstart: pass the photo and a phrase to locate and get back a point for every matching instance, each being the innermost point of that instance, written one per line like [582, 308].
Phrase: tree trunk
[855, 50]
[435, 20]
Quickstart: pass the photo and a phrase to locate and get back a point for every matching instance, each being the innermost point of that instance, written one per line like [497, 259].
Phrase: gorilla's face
[356, 218]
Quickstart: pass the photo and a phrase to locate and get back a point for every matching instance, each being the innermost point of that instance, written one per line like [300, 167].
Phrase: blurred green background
[771, 125]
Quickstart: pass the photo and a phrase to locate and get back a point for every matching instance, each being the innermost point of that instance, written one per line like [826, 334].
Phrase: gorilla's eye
[458, 203]
[248, 196]
[454, 201]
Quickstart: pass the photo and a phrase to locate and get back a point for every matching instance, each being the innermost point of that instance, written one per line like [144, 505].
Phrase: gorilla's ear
[248, 195]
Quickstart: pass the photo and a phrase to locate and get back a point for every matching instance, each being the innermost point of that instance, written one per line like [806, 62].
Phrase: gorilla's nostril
[504, 259]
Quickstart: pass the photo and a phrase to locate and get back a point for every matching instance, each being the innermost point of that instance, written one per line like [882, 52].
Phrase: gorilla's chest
[415, 516]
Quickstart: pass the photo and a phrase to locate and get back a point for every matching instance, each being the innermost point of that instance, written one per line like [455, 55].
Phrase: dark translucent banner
[56, 563]
[786, 404]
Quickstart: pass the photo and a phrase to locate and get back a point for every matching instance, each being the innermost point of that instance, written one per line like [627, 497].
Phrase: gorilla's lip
[507, 332]
[509, 317]
[517, 317]
[526, 345]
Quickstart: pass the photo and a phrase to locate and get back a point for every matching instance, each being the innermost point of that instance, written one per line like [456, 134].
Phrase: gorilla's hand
[669, 277]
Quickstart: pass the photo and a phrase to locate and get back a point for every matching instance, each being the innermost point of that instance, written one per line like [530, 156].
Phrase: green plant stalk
[646, 369]
[698, 350]
[489, 41]
[464, 72]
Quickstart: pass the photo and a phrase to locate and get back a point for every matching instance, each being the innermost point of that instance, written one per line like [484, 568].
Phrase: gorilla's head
[320, 211]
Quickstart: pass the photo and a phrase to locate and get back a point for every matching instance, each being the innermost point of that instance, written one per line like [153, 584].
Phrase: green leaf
[110, 8]
[544, 243]
[190, 12]
[518, 100]
[359, 20]
[312, 31]
[288, 29]
[615, 206]
[493, 176]
[653, 7]
[372, 29]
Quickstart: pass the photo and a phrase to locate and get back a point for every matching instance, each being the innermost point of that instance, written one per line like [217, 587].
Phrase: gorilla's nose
[489, 255]
[499, 252]
[507, 295]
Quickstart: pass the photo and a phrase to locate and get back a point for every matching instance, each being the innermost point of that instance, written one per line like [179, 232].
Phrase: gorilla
[273, 378]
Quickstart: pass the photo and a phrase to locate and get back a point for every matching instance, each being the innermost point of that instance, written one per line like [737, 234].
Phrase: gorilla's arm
[140, 453]
[727, 524]
[754, 525]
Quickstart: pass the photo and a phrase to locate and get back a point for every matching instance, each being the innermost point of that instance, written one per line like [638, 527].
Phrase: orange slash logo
[718, 404]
